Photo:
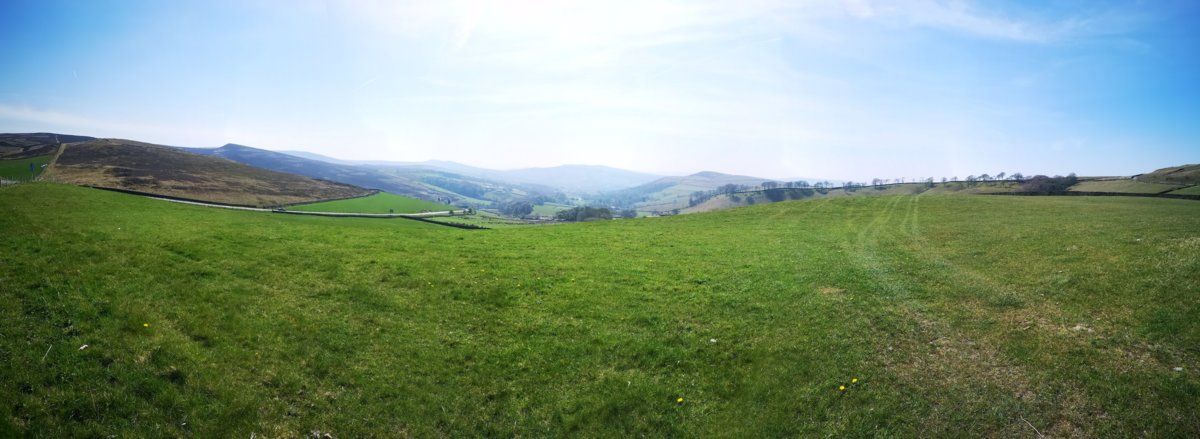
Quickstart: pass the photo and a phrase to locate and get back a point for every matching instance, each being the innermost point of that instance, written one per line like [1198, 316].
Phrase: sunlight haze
[839, 90]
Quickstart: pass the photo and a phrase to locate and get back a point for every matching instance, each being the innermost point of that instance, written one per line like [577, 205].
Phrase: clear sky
[847, 90]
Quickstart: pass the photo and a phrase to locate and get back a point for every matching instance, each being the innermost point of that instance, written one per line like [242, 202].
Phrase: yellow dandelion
[145, 325]
[680, 400]
[853, 380]
[842, 388]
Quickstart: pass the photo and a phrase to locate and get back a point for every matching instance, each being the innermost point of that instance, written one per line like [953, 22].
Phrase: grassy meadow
[1190, 190]
[18, 169]
[1123, 185]
[382, 202]
[914, 315]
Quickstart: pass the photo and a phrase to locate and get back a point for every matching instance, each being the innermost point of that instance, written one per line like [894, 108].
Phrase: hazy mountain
[571, 178]
[668, 193]
[415, 181]
[350, 174]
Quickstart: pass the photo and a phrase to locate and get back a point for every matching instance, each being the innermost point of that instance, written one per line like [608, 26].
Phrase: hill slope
[214, 323]
[669, 193]
[25, 145]
[1177, 175]
[417, 182]
[577, 179]
[164, 170]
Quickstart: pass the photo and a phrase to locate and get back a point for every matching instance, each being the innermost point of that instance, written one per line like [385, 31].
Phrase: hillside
[940, 315]
[1185, 175]
[164, 170]
[670, 193]
[417, 182]
[25, 145]
[349, 174]
[576, 179]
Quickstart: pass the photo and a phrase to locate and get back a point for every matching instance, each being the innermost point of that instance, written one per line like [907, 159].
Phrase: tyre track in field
[929, 353]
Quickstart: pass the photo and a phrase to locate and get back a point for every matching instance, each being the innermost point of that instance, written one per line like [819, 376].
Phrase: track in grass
[957, 315]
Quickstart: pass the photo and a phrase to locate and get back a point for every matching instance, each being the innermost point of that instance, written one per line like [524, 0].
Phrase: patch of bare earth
[948, 365]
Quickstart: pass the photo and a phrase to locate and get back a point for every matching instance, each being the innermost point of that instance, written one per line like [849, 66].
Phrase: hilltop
[164, 170]
[26, 145]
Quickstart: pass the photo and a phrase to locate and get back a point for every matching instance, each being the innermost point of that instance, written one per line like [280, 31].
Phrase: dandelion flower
[842, 388]
[679, 400]
[853, 380]
[145, 325]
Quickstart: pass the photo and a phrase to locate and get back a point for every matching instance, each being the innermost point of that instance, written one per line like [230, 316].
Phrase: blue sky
[846, 90]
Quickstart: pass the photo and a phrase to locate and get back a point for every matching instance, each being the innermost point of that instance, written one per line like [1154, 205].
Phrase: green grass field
[19, 169]
[941, 315]
[1123, 185]
[1192, 190]
[382, 202]
[548, 209]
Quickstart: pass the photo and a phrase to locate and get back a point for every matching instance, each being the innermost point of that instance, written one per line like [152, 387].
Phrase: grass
[548, 209]
[382, 202]
[1123, 185]
[483, 218]
[958, 315]
[18, 169]
[1192, 190]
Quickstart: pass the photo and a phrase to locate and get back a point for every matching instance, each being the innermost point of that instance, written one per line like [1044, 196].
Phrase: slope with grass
[669, 193]
[1177, 175]
[942, 315]
[163, 170]
[382, 202]
[413, 181]
[1190, 190]
[1127, 186]
[18, 169]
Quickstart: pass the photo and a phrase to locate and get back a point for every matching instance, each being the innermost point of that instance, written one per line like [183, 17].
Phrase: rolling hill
[413, 181]
[25, 145]
[164, 170]
[1185, 175]
[574, 179]
[669, 193]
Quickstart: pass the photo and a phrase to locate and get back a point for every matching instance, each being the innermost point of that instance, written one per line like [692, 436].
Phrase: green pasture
[908, 315]
[382, 202]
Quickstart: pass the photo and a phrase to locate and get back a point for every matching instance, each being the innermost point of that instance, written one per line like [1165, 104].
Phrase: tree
[517, 208]
[584, 213]
[1041, 184]
[770, 185]
[628, 213]
[1018, 177]
[1000, 176]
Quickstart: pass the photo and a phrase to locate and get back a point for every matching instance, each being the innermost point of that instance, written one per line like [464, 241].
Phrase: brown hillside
[145, 167]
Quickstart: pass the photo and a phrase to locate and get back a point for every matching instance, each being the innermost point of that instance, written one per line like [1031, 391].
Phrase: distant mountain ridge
[572, 178]
[414, 181]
